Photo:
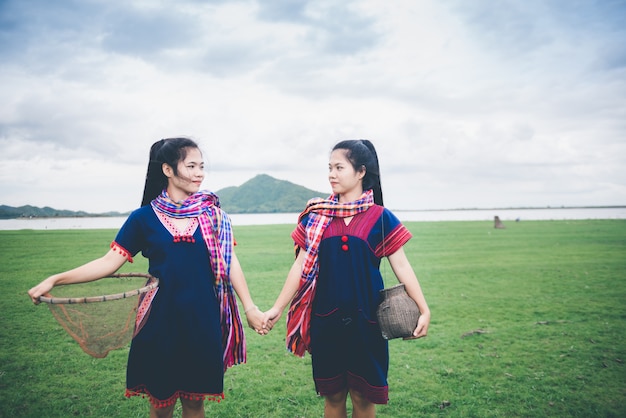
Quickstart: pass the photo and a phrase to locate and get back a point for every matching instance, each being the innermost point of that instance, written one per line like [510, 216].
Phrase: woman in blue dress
[334, 284]
[188, 331]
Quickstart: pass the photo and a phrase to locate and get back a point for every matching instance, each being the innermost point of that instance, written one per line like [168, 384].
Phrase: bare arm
[253, 314]
[287, 293]
[405, 274]
[93, 270]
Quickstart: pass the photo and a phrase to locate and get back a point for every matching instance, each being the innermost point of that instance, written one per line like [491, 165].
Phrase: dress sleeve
[130, 238]
[299, 233]
[394, 234]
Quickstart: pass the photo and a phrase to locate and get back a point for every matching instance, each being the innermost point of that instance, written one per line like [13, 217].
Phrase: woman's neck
[350, 196]
[177, 196]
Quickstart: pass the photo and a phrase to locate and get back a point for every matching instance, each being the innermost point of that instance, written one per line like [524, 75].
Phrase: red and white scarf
[321, 212]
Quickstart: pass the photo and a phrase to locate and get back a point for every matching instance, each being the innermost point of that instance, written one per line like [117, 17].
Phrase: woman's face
[189, 178]
[344, 180]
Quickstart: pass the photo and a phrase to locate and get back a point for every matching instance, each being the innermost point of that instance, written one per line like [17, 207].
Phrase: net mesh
[103, 323]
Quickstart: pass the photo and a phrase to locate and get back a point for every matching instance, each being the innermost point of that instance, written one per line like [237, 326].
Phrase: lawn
[527, 321]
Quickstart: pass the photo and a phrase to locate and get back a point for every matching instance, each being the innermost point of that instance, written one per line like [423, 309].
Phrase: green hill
[28, 211]
[265, 194]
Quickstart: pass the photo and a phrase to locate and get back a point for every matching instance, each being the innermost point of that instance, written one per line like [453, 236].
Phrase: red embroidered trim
[327, 387]
[164, 403]
[143, 309]
[375, 394]
[396, 238]
[116, 247]
[186, 235]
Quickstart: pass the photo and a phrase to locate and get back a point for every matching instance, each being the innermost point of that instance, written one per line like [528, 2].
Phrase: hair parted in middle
[362, 155]
[168, 151]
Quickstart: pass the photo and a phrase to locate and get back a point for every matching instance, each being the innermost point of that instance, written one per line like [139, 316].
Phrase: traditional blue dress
[347, 349]
[178, 351]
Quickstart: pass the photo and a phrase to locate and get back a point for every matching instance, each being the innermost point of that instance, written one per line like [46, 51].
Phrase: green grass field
[529, 321]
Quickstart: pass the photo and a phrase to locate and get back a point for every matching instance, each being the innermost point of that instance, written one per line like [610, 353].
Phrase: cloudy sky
[471, 104]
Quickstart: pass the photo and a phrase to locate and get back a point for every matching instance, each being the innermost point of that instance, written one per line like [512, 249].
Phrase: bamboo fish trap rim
[153, 283]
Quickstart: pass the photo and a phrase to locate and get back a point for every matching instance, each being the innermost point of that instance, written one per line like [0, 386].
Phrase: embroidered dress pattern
[186, 236]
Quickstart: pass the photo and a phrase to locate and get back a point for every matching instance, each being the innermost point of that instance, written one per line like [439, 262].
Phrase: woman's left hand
[422, 327]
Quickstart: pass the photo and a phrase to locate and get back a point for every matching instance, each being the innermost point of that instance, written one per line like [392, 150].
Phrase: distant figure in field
[497, 223]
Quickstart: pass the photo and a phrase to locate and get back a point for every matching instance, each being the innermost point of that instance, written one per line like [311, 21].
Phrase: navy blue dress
[347, 349]
[178, 352]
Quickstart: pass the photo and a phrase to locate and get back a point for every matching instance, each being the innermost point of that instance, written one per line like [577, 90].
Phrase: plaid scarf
[218, 236]
[321, 212]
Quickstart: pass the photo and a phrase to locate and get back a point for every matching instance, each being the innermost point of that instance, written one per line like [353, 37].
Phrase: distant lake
[506, 215]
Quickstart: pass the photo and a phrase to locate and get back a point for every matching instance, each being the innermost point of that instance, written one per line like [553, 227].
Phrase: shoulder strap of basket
[384, 270]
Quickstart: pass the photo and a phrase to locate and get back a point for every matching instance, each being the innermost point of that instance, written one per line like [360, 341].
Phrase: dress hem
[375, 394]
[163, 403]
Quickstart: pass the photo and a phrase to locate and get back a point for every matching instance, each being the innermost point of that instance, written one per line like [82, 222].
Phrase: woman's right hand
[271, 317]
[42, 289]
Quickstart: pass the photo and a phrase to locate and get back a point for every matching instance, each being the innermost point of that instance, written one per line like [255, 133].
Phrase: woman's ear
[362, 172]
[167, 170]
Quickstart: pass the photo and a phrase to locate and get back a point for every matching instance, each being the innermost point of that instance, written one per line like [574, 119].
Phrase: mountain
[265, 194]
[28, 211]
[261, 194]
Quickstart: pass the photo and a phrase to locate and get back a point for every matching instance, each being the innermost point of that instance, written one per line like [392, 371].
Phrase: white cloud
[469, 104]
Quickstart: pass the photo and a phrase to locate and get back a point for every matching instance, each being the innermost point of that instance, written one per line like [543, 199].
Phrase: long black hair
[169, 151]
[362, 155]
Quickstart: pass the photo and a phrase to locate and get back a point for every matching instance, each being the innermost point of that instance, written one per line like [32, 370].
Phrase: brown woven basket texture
[397, 313]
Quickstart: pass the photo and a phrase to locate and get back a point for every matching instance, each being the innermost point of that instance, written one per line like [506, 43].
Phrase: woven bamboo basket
[397, 313]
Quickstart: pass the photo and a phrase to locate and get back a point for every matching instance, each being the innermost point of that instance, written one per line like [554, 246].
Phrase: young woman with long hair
[191, 332]
[334, 283]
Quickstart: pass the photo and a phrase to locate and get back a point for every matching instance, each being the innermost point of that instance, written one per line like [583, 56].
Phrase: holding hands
[271, 317]
[262, 322]
[256, 320]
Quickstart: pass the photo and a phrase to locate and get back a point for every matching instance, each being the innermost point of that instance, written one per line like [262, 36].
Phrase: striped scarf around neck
[217, 234]
[321, 212]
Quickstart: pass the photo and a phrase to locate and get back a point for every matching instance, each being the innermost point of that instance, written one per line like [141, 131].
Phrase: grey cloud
[332, 27]
[45, 34]
[510, 27]
[26, 25]
[283, 10]
[611, 56]
[53, 36]
[148, 33]
[519, 28]
[230, 59]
